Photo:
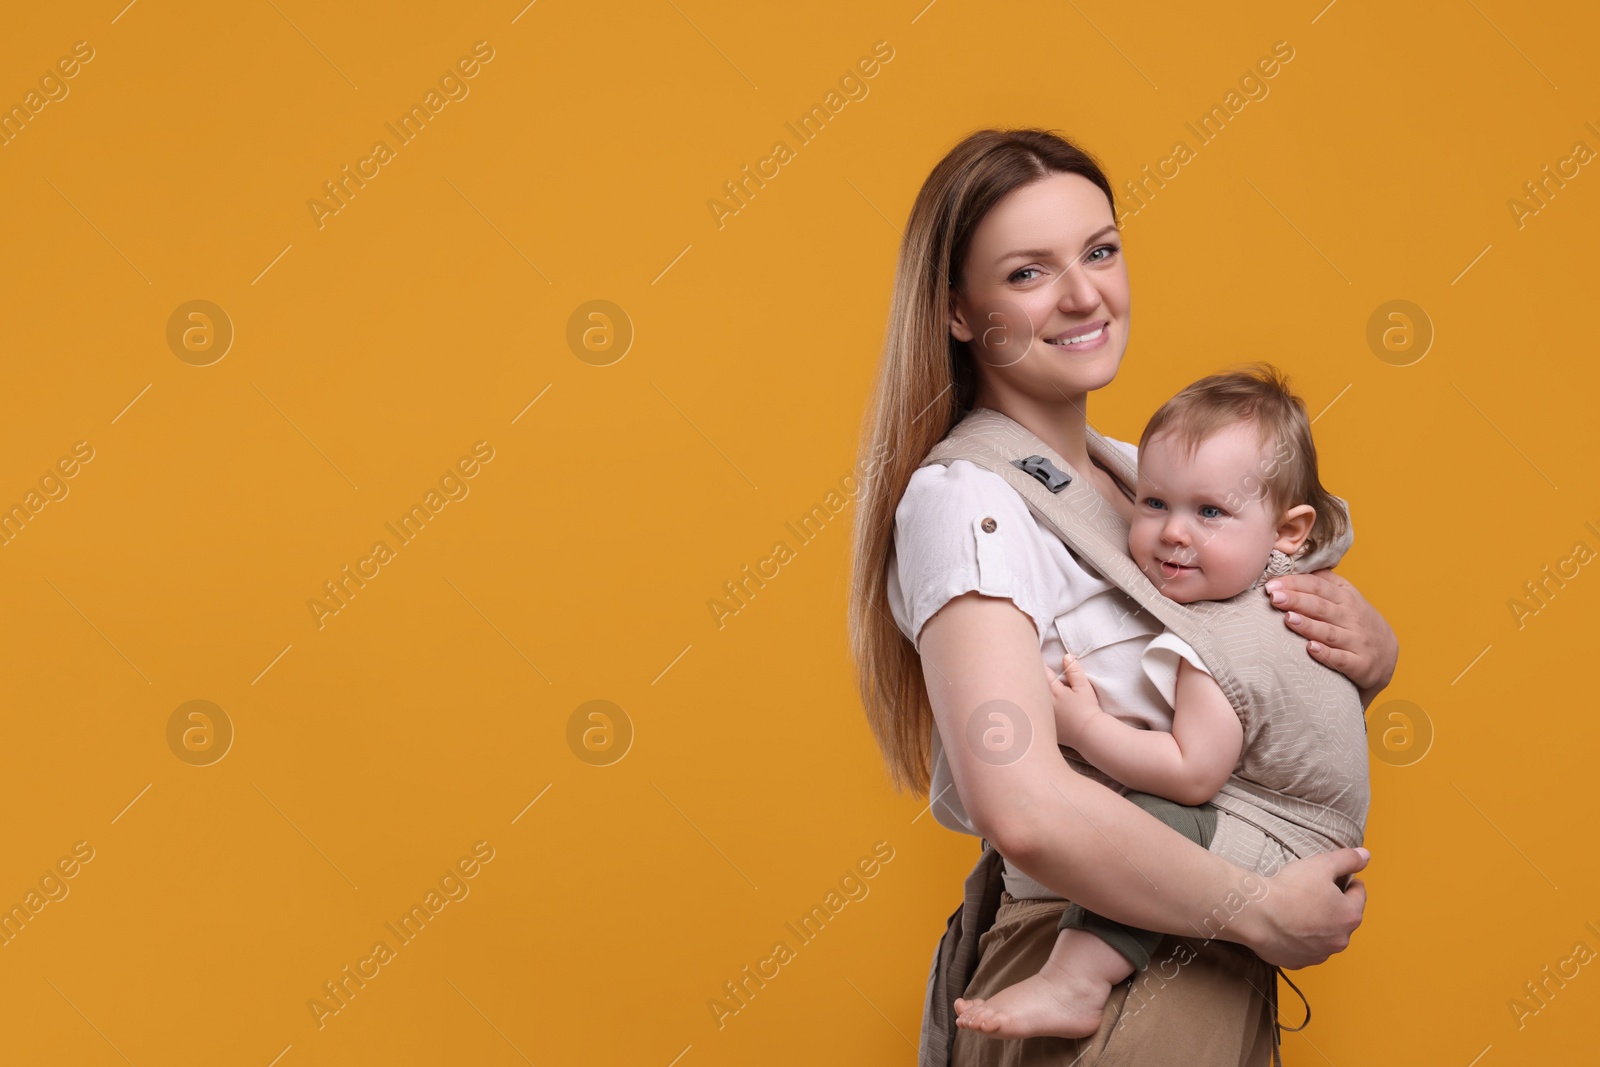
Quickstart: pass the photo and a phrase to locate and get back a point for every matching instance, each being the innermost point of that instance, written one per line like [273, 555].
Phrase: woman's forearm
[1094, 847]
[1097, 849]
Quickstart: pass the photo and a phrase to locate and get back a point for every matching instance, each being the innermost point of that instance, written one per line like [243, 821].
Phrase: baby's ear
[1334, 548]
[1295, 528]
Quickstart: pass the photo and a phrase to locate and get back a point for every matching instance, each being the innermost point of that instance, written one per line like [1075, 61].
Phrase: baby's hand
[1073, 698]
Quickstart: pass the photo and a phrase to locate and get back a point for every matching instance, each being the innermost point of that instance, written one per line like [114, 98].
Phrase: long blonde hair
[926, 383]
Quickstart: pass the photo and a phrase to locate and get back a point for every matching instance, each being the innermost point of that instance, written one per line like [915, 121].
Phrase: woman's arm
[1187, 765]
[980, 659]
[1343, 630]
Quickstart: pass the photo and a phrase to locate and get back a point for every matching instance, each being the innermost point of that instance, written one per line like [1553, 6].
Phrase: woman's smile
[1082, 338]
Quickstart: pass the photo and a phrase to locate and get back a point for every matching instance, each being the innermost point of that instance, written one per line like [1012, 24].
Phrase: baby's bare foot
[1049, 1004]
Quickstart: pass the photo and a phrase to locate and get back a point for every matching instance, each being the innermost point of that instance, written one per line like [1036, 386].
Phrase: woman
[1011, 294]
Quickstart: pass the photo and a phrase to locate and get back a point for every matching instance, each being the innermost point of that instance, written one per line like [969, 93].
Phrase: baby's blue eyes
[1207, 511]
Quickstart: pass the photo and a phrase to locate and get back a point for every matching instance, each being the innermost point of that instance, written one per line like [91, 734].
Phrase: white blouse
[941, 551]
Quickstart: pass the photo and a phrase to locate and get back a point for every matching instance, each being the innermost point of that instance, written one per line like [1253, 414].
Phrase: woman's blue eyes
[1109, 250]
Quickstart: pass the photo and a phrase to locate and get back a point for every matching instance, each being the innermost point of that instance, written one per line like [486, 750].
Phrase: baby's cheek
[1139, 542]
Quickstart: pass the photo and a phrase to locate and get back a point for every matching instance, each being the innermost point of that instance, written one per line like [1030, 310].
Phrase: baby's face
[1203, 528]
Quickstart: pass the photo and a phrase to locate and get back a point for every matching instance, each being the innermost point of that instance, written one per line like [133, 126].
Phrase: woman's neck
[1059, 424]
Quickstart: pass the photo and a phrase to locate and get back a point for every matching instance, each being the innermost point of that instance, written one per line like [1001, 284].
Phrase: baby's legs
[1065, 999]
[1091, 954]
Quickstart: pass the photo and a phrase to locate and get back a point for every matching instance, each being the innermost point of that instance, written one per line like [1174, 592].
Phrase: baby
[1228, 496]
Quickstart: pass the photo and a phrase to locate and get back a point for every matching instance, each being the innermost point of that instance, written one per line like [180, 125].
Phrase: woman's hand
[1343, 630]
[1073, 697]
[1303, 917]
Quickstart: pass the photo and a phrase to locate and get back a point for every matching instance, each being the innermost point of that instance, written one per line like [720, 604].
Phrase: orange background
[433, 711]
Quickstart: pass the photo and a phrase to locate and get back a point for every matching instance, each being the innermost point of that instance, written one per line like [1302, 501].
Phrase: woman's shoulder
[961, 501]
[943, 490]
[961, 527]
[963, 518]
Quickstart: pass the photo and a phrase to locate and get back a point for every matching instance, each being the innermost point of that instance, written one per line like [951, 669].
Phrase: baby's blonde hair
[1258, 394]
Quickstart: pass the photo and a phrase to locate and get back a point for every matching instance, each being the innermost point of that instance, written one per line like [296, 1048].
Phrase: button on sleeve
[958, 529]
[994, 572]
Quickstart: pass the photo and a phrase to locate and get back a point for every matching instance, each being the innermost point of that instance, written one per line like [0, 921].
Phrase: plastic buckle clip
[1042, 469]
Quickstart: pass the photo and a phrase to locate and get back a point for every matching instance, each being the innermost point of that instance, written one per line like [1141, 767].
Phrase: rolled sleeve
[959, 529]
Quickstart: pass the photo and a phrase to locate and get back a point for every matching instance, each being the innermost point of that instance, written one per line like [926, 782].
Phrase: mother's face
[1043, 304]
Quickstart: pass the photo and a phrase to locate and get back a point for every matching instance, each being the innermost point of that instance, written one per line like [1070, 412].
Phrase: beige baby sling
[1301, 784]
